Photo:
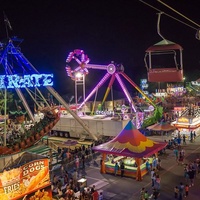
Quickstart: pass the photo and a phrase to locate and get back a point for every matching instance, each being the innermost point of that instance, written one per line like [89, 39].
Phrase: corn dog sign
[18, 182]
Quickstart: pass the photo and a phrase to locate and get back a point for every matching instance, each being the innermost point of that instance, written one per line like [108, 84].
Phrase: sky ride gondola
[163, 48]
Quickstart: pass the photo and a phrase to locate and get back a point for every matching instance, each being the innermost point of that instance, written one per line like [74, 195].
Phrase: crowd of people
[65, 184]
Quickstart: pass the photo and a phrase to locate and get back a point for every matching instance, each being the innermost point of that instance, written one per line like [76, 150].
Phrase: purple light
[128, 96]
[101, 82]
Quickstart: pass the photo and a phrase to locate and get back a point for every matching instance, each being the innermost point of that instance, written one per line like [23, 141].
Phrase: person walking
[184, 139]
[146, 195]
[194, 135]
[116, 168]
[181, 190]
[148, 166]
[176, 154]
[176, 192]
[122, 169]
[77, 162]
[157, 182]
[142, 194]
[153, 175]
[186, 190]
[191, 136]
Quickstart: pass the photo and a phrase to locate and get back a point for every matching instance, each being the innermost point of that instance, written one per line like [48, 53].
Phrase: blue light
[26, 81]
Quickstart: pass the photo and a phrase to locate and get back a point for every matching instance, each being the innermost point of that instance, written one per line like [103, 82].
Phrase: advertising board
[30, 178]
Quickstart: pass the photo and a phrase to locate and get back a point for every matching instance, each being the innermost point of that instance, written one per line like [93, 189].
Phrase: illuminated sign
[195, 83]
[108, 113]
[26, 81]
[183, 120]
[24, 180]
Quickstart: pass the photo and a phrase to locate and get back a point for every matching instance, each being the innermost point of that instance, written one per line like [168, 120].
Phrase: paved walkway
[117, 188]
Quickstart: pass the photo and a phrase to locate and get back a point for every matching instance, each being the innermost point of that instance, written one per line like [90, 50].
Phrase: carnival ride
[159, 72]
[113, 71]
[108, 125]
[21, 75]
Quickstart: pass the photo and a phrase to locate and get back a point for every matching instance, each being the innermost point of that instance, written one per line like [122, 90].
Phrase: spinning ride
[164, 48]
[113, 72]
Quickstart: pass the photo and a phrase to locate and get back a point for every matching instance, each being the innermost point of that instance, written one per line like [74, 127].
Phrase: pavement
[117, 188]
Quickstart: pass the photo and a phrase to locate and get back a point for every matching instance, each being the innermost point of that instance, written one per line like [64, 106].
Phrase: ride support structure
[113, 71]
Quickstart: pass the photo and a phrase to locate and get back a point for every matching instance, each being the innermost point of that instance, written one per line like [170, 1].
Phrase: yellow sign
[183, 120]
[18, 182]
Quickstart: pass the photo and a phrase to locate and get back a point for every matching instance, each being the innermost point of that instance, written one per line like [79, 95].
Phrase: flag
[7, 22]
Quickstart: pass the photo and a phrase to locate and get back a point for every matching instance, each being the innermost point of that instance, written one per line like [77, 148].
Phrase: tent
[131, 143]
[162, 126]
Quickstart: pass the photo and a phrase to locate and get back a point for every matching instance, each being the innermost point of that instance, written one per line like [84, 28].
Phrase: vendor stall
[130, 166]
[130, 147]
[185, 125]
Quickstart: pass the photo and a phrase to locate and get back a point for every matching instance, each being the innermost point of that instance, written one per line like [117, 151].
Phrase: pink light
[128, 96]
[101, 82]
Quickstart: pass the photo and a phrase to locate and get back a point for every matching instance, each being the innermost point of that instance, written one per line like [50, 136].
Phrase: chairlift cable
[168, 15]
[178, 13]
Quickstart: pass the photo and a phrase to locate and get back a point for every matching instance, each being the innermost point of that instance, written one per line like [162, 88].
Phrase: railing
[53, 146]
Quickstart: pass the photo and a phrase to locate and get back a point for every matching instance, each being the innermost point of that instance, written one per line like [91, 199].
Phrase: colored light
[26, 81]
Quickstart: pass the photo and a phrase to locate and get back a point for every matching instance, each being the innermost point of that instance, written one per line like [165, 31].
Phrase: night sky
[107, 30]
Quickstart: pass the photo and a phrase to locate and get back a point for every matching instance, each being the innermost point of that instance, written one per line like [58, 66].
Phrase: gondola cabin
[164, 73]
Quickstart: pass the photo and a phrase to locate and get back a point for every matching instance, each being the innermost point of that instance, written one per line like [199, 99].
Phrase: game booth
[131, 147]
[26, 178]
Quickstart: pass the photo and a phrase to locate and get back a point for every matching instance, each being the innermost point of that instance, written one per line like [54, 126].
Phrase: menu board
[17, 183]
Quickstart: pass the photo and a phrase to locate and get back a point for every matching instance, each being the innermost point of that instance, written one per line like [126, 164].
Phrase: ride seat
[165, 75]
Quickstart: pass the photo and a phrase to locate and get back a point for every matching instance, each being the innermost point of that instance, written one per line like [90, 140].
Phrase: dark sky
[107, 30]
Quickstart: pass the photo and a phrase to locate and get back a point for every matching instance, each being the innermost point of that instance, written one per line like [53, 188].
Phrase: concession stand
[130, 147]
[27, 177]
[185, 124]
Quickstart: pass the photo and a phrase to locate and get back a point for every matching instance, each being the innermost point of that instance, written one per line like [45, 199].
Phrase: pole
[76, 95]
[5, 107]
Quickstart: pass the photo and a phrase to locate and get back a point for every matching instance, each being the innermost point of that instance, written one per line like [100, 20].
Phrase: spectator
[77, 162]
[146, 195]
[122, 169]
[95, 195]
[142, 194]
[116, 168]
[186, 190]
[176, 192]
[101, 196]
[181, 190]
[155, 194]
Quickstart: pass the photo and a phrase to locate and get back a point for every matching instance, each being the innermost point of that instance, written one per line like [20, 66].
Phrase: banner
[41, 194]
[18, 182]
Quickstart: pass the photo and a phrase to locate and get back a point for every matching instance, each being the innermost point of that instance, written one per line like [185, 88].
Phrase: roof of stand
[131, 143]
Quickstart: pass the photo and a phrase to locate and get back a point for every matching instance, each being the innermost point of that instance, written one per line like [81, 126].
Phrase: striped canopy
[131, 143]
[162, 126]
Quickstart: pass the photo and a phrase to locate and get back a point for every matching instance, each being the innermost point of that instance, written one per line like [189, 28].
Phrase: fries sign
[18, 182]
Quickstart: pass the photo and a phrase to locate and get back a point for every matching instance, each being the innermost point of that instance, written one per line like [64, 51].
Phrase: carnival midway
[49, 146]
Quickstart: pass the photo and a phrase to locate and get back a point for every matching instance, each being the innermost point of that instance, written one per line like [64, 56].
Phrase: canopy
[132, 143]
[163, 126]
[164, 45]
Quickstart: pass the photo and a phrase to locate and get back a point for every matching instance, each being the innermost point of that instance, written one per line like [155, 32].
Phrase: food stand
[133, 148]
[186, 124]
[130, 166]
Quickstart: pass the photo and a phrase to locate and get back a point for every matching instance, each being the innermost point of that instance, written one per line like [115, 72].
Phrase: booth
[131, 147]
[130, 166]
